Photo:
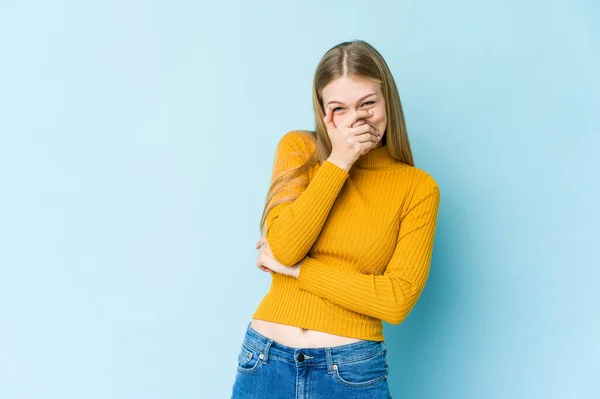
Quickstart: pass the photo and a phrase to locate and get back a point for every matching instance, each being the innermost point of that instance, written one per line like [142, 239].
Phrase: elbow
[399, 312]
[285, 256]
[395, 318]
[283, 249]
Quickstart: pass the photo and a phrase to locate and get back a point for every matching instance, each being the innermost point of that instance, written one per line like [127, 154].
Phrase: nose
[359, 122]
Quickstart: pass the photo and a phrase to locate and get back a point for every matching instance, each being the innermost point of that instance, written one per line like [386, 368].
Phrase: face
[348, 94]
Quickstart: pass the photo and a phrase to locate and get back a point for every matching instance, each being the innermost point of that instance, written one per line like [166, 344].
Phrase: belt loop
[266, 350]
[329, 359]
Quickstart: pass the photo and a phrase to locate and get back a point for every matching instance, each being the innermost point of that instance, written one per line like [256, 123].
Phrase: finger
[328, 119]
[267, 261]
[263, 259]
[265, 269]
[267, 248]
[260, 258]
[260, 262]
[366, 133]
[360, 114]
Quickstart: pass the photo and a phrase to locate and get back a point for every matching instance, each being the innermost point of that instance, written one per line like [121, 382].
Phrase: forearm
[387, 297]
[292, 228]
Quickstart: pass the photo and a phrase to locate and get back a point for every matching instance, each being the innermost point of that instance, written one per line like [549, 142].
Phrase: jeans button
[300, 357]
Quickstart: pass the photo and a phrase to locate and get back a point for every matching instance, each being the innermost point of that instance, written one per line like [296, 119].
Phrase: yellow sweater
[366, 238]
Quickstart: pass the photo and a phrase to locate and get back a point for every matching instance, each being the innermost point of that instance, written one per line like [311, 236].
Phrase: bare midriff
[297, 337]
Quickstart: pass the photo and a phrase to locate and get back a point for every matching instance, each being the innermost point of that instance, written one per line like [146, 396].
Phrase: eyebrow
[359, 100]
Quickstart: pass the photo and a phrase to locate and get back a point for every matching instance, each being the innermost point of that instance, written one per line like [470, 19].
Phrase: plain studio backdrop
[136, 146]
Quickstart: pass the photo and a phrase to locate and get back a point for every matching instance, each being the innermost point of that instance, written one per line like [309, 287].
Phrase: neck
[375, 158]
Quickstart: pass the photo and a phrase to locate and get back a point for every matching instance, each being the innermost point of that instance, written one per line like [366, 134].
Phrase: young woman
[350, 225]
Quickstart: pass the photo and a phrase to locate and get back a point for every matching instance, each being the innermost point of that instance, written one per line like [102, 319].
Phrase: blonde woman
[350, 225]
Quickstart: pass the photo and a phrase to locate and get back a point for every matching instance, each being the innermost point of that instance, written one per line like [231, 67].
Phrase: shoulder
[297, 141]
[427, 181]
[423, 183]
[421, 193]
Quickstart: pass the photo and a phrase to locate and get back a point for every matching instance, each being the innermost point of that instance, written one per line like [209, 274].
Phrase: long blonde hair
[350, 58]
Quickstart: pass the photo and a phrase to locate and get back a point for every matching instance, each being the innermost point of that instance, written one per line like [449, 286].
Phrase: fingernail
[371, 112]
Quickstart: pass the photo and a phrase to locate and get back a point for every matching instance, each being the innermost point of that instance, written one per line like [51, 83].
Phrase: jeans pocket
[361, 372]
[249, 360]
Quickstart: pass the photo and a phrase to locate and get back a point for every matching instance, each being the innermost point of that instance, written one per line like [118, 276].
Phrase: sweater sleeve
[389, 297]
[293, 225]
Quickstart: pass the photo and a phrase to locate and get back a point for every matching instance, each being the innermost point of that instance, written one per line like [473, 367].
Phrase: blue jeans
[269, 369]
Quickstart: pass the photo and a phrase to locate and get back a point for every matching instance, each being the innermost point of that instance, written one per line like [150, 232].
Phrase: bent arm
[292, 227]
[389, 297]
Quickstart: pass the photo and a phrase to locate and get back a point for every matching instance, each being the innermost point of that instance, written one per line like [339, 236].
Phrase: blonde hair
[350, 58]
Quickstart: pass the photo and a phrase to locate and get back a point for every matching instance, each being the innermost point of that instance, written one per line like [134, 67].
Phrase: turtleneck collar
[375, 158]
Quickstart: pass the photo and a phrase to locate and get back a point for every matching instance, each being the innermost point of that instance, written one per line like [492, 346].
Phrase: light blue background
[136, 143]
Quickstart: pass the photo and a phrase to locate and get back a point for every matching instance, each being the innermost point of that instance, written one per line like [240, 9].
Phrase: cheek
[337, 119]
[379, 118]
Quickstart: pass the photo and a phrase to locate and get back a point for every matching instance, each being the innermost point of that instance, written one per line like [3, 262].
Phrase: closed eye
[368, 102]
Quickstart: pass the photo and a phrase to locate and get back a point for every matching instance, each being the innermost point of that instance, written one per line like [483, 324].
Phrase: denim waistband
[340, 354]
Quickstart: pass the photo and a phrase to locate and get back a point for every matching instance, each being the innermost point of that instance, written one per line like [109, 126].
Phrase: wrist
[340, 164]
[297, 274]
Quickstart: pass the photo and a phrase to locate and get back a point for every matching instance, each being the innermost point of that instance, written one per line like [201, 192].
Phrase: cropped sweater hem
[289, 305]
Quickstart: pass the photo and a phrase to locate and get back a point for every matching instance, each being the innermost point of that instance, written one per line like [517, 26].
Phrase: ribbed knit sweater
[365, 237]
